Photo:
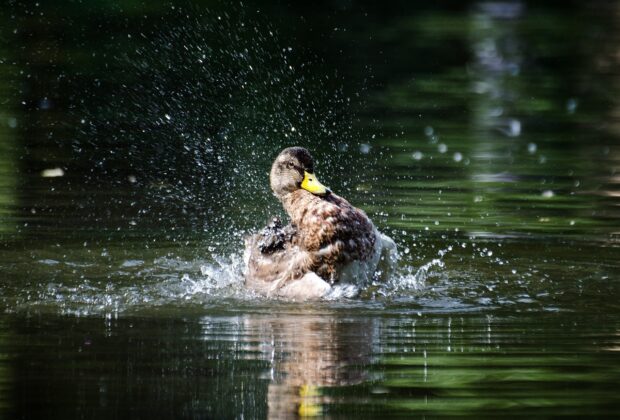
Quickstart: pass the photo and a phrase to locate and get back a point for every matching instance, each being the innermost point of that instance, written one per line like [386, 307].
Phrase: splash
[197, 108]
[139, 285]
[409, 279]
[224, 278]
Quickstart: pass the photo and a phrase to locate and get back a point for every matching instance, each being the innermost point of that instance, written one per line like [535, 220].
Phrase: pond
[135, 145]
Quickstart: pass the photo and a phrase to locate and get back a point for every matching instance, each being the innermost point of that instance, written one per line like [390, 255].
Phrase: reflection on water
[8, 166]
[612, 179]
[307, 354]
[285, 361]
[134, 143]
[495, 41]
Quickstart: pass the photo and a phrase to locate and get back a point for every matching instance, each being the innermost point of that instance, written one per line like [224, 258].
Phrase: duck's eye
[290, 165]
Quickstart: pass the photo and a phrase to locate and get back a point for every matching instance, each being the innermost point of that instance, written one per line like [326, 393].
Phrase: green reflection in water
[282, 360]
[8, 200]
[487, 144]
[451, 100]
[495, 380]
[5, 372]
[8, 165]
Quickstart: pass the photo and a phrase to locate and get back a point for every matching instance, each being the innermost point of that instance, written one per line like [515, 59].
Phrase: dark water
[135, 140]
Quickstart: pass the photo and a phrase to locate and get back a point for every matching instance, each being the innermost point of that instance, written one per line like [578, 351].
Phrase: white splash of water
[411, 278]
[343, 291]
[173, 281]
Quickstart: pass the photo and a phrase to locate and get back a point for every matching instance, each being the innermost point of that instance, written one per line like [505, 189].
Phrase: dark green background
[484, 137]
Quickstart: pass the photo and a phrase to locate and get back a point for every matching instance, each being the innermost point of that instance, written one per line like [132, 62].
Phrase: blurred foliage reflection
[135, 141]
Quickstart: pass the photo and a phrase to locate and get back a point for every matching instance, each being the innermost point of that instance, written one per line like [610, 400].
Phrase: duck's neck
[297, 202]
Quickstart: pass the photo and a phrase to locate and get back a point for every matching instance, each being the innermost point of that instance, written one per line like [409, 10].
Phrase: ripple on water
[96, 287]
[445, 276]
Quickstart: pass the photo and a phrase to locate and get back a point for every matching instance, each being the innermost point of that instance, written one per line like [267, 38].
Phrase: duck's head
[293, 169]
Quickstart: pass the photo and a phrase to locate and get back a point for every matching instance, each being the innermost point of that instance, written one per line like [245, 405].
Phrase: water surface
[135, 142]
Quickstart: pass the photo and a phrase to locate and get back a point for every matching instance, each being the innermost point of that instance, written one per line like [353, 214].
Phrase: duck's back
[327, 237]
[333, 231]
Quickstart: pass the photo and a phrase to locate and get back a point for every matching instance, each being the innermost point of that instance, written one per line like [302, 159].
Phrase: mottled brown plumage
[331, 230]
[325, 236]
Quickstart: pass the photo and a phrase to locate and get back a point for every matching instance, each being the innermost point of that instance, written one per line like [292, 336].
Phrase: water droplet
[571, 105]
[531, 148]
[45, 104]
[515, 128]
[548, 194]
[52, 173]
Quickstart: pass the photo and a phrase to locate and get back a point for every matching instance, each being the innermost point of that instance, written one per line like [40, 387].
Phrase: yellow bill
[310, 183]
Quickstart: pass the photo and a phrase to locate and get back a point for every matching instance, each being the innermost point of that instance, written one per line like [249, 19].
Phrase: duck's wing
[272, 259]
[283, 273]
[275, 237]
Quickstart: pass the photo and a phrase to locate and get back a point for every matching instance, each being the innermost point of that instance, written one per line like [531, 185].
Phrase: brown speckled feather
[325, 235]
[328, 234]
[331, 230]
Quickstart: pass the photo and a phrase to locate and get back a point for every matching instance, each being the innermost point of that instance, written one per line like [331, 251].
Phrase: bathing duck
[328, 241]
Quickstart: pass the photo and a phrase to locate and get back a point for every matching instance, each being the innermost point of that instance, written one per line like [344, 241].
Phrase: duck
[327, 242]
